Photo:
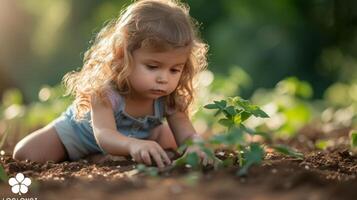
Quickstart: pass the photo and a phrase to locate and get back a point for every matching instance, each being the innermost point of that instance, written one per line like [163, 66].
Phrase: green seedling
[191, 159]
[237, 138]
[235, 112]
[151, 171]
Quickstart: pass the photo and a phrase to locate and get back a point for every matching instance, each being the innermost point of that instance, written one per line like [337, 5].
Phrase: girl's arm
[115, 143]
[104, 129]
[181, 127]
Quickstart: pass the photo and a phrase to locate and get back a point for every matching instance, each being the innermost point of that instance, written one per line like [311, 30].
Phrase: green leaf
[237, 119]
[257, 112]
[193, 159]
[287, 151]
[253, 155]
[3, 175]
[230, 110]
[183, 147]
[322, 144]
[180, 161]
[217, 113]
[211, 106]
[221, 104]
[245, 116]
[250, 108]
[226, 122]
[353, 135]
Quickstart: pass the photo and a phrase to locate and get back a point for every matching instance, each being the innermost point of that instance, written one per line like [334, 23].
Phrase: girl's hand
[204, 158]
[143, 150]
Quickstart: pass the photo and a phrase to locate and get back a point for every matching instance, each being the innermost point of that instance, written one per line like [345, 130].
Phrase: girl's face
[157, 74]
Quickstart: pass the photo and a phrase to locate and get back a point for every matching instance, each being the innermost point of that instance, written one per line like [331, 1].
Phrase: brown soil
[328, 174]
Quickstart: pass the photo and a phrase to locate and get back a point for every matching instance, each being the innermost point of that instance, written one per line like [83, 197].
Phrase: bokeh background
[295, 58]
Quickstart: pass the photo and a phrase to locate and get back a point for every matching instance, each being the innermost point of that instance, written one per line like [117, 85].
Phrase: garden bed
[322, 174]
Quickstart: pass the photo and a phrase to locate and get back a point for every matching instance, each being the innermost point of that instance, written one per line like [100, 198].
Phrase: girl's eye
[175, 70]
[151, 67]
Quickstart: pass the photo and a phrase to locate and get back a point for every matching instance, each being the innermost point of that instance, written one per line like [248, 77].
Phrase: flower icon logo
[19, 184]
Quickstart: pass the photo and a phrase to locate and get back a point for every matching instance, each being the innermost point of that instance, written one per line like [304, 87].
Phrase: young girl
[139, 71]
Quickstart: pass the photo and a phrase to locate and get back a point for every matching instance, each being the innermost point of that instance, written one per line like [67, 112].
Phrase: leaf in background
[353, 136]
[12, 96]
[3, 175]
[322, 144]
[287, 151]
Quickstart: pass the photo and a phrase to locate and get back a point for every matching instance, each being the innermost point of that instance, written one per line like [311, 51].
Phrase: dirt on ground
[322, 174]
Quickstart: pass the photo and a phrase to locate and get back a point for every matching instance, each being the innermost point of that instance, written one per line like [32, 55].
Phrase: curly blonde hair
[156, 24]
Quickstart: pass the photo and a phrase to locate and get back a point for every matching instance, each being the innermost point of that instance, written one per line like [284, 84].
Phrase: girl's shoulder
[114, 97]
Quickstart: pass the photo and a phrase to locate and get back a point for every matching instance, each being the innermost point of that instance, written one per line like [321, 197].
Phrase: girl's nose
[162, 78]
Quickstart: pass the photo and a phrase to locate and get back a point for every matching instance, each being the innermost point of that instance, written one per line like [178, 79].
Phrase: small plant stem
[240, 159]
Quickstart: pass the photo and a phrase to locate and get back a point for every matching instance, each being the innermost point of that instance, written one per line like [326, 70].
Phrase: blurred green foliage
[312, 40]
[19, 119]
[296, 59]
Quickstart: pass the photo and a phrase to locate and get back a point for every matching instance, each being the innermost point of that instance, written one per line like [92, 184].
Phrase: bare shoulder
[102, 113]
[107, 99]
[102, 102]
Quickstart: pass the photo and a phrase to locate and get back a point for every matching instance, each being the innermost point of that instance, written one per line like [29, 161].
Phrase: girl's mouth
[157, 91]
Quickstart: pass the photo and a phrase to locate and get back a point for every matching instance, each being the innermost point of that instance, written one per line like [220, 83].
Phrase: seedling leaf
[226, 122]
[253, 155]
[287, 151]
[193, 159]
[211, 106]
